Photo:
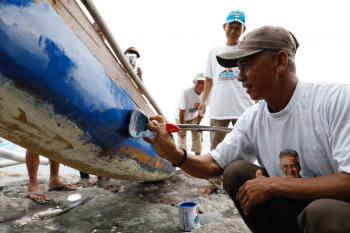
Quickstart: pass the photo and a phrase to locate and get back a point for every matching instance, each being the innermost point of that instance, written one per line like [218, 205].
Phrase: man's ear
[282, 61]
[244, 28]
[223, 26]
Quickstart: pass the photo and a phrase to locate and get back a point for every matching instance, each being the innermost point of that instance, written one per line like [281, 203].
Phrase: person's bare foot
[64, 188]
[36, 194]
[58, 185]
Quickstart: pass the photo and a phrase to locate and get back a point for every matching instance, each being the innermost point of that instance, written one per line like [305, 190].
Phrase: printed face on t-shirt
[290, 166]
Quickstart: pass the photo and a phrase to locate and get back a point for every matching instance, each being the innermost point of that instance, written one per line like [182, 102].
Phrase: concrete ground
[132, 207]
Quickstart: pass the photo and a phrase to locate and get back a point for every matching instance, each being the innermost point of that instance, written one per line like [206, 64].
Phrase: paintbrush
[138, 124]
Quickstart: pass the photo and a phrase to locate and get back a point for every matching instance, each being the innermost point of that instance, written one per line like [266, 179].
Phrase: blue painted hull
[57, 99]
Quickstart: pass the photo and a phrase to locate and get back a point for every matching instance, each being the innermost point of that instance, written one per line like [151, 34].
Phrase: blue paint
[62, 71]
[188, 205]
[20, 3]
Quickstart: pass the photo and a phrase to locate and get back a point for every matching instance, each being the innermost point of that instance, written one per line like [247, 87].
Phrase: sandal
[38, 197]
[64, 187]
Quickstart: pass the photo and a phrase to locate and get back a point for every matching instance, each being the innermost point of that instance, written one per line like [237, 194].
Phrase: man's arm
[139, 72]
[262, 188]
[331, 186]
[203, 166]
[182, 116]
[198, 166]
[198, 119]
[208, 84]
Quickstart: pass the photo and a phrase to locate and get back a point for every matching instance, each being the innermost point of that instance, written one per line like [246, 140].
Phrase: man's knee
[236, 174]
[325, 215]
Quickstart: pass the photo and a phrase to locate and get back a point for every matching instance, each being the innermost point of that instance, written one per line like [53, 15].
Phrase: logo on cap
[236, 16]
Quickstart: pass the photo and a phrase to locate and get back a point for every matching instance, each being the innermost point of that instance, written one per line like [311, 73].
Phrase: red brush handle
[170, 128]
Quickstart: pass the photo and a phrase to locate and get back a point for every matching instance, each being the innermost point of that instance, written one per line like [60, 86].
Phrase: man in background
[228, 99]
[132, 55]
[187, 113]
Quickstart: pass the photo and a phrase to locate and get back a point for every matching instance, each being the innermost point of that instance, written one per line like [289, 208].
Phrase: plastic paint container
[188, 216]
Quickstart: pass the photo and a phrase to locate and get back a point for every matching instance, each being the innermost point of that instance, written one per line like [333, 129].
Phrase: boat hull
[59, 98]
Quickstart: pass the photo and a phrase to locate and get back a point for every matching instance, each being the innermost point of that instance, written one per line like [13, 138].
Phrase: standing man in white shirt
[228, 99]
[187, 113]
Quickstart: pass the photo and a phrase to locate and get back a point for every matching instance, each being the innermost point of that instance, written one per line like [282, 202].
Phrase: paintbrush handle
[172, 128]
[194, 127]
[49, 213]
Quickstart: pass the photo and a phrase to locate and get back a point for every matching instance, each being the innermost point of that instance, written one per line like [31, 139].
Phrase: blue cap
[236, 16]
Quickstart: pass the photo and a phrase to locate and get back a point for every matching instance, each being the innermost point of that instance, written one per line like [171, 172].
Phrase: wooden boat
[65, 95]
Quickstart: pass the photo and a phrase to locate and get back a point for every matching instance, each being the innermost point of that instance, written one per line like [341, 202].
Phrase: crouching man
[312, 119]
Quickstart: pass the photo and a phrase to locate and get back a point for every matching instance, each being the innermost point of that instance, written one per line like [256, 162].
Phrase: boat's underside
[63, 94]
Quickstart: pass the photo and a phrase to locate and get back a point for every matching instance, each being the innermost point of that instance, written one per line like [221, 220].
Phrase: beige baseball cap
[258, 40]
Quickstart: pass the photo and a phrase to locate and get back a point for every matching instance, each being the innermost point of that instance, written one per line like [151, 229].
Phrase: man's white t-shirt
[228, 99]
[189, 102]
[315, 123]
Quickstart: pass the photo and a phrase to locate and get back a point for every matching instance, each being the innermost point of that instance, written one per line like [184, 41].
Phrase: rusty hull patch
[142, 158]
[22, 117]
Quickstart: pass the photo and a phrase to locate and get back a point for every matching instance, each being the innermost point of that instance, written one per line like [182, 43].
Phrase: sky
[174, 37]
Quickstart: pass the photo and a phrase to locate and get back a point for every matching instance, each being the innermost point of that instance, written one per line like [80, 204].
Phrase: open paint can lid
[74, 197]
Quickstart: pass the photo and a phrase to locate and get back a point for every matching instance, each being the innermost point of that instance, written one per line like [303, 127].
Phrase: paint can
[188, 216]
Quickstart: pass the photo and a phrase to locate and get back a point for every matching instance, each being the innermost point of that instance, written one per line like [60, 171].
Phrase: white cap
[199, 76]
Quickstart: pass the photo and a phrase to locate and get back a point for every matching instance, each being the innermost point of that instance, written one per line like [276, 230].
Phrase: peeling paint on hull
[56, 98]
